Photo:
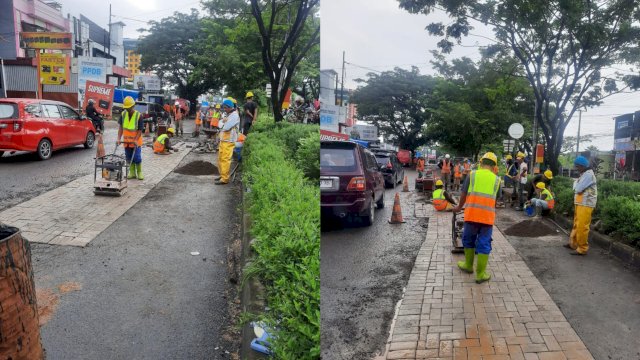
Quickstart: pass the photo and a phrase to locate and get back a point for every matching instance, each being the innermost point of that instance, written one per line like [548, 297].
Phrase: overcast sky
[379, 36]
[134, 13]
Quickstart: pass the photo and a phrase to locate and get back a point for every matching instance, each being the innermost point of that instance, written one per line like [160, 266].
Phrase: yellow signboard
[54, 69]
[46, 40]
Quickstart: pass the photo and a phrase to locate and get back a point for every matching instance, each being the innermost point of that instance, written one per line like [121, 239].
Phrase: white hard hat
[177, 103]
[447, 156]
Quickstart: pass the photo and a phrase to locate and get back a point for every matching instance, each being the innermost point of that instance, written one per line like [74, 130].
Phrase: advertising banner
[147, 82]
[90, 69]
[54, 69]
[102, 94]
[367, 132]
[326, 135]
[46, 40]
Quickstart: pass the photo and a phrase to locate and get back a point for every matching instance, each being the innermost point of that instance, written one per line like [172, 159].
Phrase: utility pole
[109, 29]
[578, 137]
[532, 160]
[342, 82]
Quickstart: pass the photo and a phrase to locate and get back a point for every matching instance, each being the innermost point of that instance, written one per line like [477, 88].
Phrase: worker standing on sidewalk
[479, 193]
[445, 167]
[420, 166]
[466, 164]
[130, 134]
[442, 200]
[228, 138]
[521, 179]
[586, 195]
[457, 176]
[179, 119]
[250, 113]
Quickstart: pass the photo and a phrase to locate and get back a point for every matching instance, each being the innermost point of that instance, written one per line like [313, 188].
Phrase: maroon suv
[350, 181]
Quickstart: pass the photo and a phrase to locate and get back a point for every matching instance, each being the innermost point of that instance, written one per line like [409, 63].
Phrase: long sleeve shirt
[586, 189]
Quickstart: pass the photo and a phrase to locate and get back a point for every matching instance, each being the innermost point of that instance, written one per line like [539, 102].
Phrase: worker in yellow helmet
[544, 178]
[479, 193]
[441, 199]
[250, 113]
[130, 135]
[544, 199]
[521, 179]
[228, 138]
[162, 145]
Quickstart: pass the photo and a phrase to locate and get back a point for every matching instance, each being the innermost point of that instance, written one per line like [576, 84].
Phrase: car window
[8, 111]
[338, 159]
[51, 111]
[68, 113]
[382, 159]
[33, 110]
[371, 162]
[142, 108]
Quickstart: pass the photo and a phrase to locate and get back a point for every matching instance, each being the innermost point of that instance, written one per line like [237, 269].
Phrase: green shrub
[285, 214]
[621, 215]
[564, 201]
[308, 156]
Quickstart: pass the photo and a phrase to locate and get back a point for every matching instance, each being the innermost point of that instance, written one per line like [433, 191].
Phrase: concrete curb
[625, 253]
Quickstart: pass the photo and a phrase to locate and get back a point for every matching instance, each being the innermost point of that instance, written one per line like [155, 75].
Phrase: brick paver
[72, 215]
[444, 314]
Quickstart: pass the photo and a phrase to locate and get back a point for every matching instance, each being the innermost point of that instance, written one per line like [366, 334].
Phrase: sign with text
[326, 135]
[46, 40]
[147, 82]
[102, 95]
[54, 69]
[367, 132]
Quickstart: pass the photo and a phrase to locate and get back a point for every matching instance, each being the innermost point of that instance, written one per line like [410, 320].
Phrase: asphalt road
[136, 291]
[599, 296]
[363, 272]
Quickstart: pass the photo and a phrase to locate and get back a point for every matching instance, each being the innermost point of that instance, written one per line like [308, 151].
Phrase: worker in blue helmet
[228, 138]
[585, 196]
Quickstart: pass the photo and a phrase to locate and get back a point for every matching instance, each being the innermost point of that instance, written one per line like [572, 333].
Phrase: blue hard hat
[227, 103]
[582, 161]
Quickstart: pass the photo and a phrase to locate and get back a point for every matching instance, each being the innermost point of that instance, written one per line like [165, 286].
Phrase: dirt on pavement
[198, 167]
[531, 228]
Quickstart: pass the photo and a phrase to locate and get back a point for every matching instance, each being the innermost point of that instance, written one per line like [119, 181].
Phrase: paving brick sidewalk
[72, 215]
[444, 314]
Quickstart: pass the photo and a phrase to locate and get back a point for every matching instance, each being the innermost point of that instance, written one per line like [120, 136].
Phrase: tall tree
[170, 50]
[288, 31]
[563, 46]
[396, 102]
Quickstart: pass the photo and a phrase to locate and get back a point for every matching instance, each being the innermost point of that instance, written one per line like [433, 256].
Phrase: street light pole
[342, 83]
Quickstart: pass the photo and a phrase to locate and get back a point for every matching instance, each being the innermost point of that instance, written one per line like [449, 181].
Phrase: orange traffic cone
[100, 151]
[396, 214]
[405, 184]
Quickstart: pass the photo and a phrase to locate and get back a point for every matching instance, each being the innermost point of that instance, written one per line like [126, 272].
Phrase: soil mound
[530, 228]
[198, 168]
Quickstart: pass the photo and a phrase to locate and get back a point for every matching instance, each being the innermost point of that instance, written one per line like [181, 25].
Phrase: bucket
[530, 210]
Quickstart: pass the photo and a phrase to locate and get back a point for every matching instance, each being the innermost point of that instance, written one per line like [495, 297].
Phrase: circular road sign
[516, 130]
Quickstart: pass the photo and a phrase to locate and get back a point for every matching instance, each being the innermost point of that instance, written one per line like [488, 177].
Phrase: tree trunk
[19, 328]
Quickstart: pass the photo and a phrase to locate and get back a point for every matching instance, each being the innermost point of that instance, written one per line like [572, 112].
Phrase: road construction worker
[250, 113]
[215, 117]
[162, 145]
[521, 179]
[130, 134]
[441, 199]
[457, 176]
[228, 138]
[445, 167]
[544, 199]
[586, 194]
[201, 116]
[180, 115]
[544, 178]
[479, 193]
[420, 166]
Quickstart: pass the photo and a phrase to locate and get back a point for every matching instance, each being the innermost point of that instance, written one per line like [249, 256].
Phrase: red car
[42, 126]
[350, 181]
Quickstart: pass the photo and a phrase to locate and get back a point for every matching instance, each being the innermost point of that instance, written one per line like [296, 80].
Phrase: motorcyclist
[95, 117]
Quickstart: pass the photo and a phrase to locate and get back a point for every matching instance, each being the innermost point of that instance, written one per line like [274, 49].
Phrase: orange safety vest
[457, 173]
[550, 200]
[158, 145]
[467, 168]
[215, 119]
[446, 167]
[439, 201]
[130, 130]
[420, 166]
[481, 197]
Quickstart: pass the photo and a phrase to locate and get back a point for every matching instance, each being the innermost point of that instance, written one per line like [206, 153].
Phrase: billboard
[90, 69]
[54, 69]
[330, 116]
[46, 40]
[326, 135]
[102, 94]
[367, 132]
[147, 83]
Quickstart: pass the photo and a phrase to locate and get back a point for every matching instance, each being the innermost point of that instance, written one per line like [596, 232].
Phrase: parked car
[350, 181]
[390, 167]
[42, 126]
[405, 157]
[151, 112]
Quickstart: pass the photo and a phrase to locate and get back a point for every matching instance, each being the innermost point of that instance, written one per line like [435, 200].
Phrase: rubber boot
[139, 171]
[481, 274]
[467, 264]
[132, 171]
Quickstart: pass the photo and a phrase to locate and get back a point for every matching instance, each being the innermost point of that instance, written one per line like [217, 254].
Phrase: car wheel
[91, 139]
[369, 216]
[380, 203]
[44, 149]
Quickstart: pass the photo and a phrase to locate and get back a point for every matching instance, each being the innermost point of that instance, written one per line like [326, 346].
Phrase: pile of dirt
[198, 168]
[530, 228]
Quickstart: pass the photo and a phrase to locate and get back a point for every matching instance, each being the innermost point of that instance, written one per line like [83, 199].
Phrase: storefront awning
[120, 71]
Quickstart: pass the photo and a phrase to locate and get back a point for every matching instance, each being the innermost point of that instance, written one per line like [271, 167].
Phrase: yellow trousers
[579, 238]
[225, 153]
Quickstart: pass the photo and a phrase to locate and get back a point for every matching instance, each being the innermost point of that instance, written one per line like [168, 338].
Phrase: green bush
[308, 156]
[285, 215]
[621, 216]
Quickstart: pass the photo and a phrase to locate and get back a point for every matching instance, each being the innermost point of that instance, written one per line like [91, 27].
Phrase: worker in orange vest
[441, 199]
[457, 176]
[479, 193]
[445, 167]
[201, 116]
[130, 134]
[420, 166]
[466, 164]
[162, 145]
[180, 115]
[544, 199]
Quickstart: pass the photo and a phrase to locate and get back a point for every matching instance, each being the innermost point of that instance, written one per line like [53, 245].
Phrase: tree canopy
[564, 48]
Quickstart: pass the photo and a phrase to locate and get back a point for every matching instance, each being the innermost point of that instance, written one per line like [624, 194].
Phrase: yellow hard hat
[490, 156]
[439, 183]
[232, 100]
[128, 102]
[519, 155]
[509, 157]
[249, 94]
[540, 185]
[548, 174]
[171, 131]
[217, 106]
